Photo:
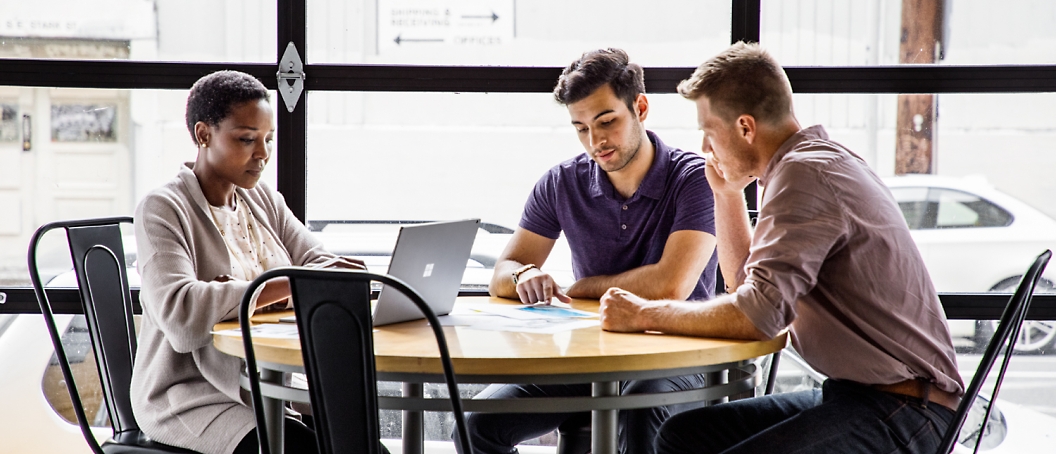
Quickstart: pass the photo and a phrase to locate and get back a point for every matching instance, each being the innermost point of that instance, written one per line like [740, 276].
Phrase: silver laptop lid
[431, 258]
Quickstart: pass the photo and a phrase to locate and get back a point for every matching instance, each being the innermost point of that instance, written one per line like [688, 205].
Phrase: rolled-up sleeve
[798, 227]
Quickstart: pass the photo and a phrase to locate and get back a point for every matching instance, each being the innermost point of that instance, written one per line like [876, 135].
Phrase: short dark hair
[599, 67]
[743, 79]
[213, 96]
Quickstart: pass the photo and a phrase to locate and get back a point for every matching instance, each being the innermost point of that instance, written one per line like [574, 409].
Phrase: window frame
[291, 162]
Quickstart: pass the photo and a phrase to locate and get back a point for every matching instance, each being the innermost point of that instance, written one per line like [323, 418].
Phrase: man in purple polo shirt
[636, 213]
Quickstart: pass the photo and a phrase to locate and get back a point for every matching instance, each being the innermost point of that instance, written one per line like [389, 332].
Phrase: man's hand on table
[621, 311]
[535, 286]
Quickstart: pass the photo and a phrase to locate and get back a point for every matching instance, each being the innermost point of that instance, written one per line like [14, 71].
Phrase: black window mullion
[745, 21]
[745, 16]
[291, 161]
[120, 74]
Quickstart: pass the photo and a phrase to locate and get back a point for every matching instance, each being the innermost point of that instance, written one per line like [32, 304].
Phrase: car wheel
[1035, 335]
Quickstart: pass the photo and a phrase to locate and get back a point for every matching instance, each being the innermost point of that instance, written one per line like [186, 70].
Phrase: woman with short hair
[201, 239]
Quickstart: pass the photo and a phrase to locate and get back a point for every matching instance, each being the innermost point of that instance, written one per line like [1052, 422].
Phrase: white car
[974, 238]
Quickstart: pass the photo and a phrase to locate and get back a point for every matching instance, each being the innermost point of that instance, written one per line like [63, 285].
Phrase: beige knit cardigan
[184, 391]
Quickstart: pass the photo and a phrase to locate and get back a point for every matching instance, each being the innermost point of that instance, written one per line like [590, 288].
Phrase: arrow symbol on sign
[399, 40]
[494, 17]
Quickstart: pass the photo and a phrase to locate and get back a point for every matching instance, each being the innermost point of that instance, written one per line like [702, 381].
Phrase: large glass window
[876, 32]
[984, 212]
[512, 32]
[385, 157]
[144, 30]
[81, 153]
[70, 153]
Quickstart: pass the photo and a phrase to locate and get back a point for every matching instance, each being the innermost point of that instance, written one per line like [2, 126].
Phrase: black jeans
[842, 417]
[299, 439]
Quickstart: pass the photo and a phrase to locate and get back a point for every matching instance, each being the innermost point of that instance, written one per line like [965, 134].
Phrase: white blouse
[252, 249]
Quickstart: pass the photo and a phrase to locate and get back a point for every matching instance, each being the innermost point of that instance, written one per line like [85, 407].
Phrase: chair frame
[91, 240]
[294, 274]
[1007, 332]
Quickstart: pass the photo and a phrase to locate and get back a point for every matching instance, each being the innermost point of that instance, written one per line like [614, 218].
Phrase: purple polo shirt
[609, 234]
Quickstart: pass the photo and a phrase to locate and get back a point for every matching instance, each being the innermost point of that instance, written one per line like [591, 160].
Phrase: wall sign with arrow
[409, 25]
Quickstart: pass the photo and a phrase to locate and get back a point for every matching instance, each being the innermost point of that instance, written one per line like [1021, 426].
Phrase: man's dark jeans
[499, 433]
[842, 417]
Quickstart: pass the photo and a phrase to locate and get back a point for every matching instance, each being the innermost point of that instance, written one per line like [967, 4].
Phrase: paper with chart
[539, 319]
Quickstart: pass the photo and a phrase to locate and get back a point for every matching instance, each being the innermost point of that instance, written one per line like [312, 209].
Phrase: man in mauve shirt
[831, 260]
[637, 214]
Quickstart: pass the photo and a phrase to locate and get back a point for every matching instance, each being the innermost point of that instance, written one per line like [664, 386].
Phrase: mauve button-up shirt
[832, 259]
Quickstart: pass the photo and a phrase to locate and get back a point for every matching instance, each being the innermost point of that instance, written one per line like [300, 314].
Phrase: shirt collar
[816, 132]
[652, 185]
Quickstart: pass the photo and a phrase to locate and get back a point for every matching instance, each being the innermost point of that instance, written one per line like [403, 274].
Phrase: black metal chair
[99, 263]
[334, 321]
[1006, 333]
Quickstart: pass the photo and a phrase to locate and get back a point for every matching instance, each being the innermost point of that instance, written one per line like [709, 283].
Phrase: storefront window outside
[870, 32]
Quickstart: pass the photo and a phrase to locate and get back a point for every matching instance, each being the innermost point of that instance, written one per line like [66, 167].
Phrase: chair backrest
[1006, 333]
[336, 332]
[337, 346]
[99, 264]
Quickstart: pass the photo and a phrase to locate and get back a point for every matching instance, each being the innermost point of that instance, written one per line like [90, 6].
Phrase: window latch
[291, 76]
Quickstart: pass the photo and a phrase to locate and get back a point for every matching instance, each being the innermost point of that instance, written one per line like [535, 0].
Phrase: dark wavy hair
[599, 67]
[213, 96]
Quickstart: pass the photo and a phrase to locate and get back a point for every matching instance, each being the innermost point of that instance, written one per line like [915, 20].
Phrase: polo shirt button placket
[622, 214]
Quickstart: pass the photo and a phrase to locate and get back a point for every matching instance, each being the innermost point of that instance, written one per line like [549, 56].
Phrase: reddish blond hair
[743, 79]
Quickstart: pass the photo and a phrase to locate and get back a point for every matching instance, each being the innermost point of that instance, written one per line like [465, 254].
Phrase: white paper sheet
[266, 330]
[537, 326]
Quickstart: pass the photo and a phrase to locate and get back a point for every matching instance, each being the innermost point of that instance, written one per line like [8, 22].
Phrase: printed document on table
[534, 312]
[536, 326]
[265, 330]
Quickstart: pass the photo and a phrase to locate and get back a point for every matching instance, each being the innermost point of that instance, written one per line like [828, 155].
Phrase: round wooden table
[407, 352]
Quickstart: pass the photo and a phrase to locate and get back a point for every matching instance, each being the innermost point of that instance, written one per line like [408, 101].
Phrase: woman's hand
[277, 290]
[342, 262]
[348, 263]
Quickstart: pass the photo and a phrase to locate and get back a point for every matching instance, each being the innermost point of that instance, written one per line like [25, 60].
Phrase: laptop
[431, 258]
